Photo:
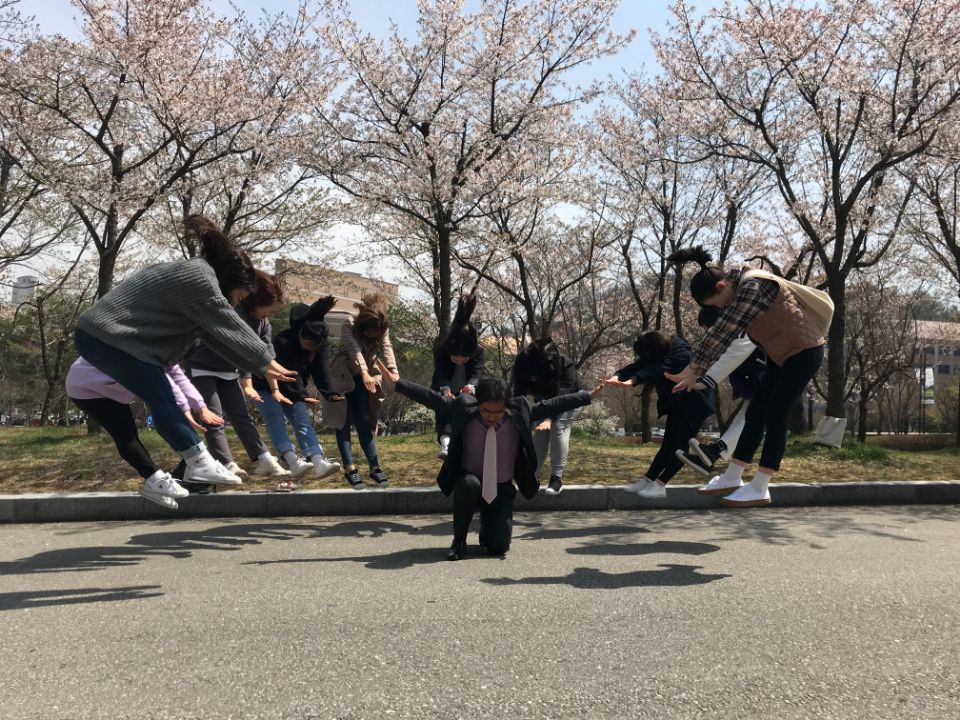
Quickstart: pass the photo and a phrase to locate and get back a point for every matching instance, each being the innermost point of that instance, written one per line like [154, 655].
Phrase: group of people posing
[763, 333]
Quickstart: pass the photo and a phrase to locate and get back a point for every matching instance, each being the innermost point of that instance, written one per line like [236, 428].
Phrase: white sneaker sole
[719, 490]
[759, 502]
[551, 491]
[162, 500]
[279, 472]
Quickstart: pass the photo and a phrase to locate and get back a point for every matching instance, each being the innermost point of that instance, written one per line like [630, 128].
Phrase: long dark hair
[266, 291]
[462, 338]
[652, 346]
[232, 265]
[539, 365]
[703, 283]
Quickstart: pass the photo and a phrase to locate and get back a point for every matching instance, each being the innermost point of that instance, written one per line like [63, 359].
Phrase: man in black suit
[491, 447]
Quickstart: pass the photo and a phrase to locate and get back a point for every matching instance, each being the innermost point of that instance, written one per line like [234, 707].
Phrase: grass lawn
[69, 460]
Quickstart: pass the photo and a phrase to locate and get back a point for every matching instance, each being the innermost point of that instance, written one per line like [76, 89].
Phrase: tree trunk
[836, 372]
[444, 277]
[862, 416]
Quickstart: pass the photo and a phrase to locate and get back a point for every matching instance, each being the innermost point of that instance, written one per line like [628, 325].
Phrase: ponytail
[232, 265]
[703, 284]
[462, 338]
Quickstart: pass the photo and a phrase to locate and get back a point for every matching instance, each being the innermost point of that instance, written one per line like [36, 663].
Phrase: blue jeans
[358, 413]
[275, 416]
[149, 383]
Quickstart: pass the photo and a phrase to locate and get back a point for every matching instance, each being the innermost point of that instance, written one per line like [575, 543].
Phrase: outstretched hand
[391, 376]
[276, 371]
[595, 392]
[208, 417]
[687, 379]
[617, 382]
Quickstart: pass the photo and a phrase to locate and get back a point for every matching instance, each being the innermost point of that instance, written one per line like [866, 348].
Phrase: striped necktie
[488, 488]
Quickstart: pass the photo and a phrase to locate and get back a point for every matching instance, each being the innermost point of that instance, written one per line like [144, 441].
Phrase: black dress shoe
[457, 550]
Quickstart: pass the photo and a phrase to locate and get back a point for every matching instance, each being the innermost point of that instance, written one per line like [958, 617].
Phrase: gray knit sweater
[156, 314]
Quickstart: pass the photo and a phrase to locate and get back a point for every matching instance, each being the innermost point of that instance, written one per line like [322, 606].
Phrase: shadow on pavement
[671, 547]
[593, 579]
[46, 598]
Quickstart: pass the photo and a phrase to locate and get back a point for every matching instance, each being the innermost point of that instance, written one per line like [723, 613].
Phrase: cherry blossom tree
[427, 128]
[112, 122]
[831, 98]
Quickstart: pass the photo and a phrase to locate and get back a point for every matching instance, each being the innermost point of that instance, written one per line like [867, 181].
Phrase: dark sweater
[697, 405]
[203, 357]
[157, 313]
[444, 367]
[309, 365]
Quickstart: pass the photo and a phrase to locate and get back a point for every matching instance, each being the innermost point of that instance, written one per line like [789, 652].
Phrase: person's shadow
[46, 598]
[584, 578]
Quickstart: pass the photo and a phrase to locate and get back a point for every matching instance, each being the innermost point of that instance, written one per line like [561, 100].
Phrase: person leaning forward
[491, 448]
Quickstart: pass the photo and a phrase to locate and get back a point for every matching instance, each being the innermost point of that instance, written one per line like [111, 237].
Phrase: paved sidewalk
[76, 507]
[789, 613]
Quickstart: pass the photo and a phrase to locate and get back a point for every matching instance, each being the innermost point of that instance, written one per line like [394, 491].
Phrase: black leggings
[767, 416]
[676, 436]
[118, 421]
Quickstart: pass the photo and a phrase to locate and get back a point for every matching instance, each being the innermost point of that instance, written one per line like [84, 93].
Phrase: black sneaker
[556, 485]
[708, 452]
[353, 479]
[379, 477]
[693, 461]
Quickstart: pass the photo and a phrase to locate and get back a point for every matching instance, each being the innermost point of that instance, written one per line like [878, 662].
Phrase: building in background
[940, 352]
[24, 288]
[307, 283]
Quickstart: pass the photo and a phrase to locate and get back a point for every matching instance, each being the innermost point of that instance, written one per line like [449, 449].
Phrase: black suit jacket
[463, 409]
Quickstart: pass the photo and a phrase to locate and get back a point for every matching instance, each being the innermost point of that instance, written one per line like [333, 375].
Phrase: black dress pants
[496, 518]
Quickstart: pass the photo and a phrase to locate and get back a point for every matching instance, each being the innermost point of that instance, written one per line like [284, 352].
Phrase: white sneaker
[235, 469]
[299, 467]
[637, 485]
[653, 490]
[719, 485]
[161, 488]
[324, 467]
[268, 465]
[209, 471]
[746, 497]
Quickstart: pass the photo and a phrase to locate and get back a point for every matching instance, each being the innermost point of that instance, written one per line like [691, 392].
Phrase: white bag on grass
[830, 431]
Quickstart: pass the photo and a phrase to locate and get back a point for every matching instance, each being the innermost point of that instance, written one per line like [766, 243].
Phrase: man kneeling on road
[491, 447]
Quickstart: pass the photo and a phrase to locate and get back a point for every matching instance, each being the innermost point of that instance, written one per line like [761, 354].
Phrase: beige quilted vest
[798, 319]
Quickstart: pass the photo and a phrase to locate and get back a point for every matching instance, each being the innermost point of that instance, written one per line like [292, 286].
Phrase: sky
[60, 17]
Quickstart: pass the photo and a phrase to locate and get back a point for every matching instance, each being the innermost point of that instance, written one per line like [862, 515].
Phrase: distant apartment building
[24, 288]
[940, 347]
[307, 283]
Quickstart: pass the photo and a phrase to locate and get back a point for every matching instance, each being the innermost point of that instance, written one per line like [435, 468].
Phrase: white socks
[291, 457]
[760, 482]
[445, 442]
[317, 458]
[265, 455]
[733, 474]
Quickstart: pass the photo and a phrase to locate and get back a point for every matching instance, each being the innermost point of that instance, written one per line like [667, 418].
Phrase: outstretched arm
[418, 393]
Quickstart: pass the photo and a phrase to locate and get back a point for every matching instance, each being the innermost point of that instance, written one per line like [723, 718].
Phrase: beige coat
[353, 355]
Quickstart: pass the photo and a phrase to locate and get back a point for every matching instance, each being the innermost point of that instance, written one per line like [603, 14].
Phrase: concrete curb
[77, 507]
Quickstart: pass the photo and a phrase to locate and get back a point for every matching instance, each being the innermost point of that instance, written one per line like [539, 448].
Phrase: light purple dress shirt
[508, 443]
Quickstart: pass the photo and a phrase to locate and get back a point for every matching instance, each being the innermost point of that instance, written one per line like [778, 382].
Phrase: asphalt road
[779, 613]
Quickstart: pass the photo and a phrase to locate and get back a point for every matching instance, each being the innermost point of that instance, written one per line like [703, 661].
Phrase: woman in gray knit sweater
[150, 321]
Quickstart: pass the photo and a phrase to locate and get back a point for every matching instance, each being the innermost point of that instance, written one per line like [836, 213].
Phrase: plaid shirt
[754, 296]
